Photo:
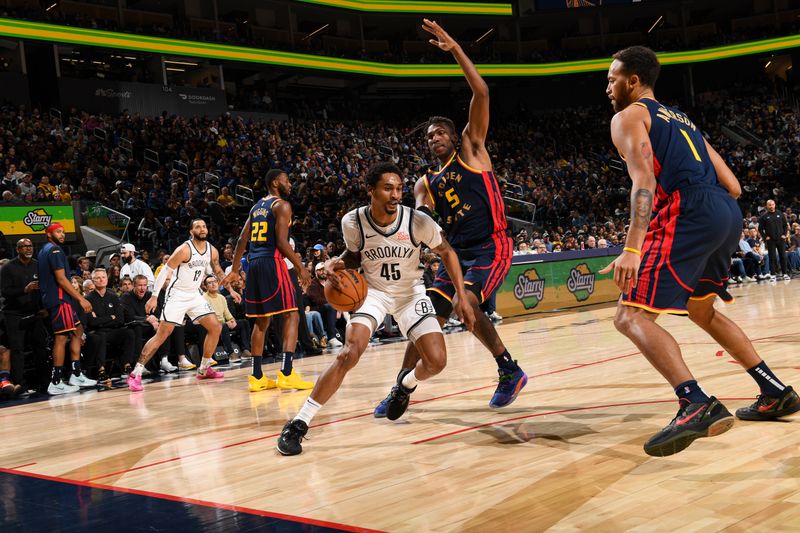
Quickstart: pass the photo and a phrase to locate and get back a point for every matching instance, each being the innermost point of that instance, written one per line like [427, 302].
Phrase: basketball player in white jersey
[385, 239]
[187, 267]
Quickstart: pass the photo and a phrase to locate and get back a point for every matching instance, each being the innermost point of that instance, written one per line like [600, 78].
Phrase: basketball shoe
[380, 409]
[255, 384]
[293, 381]
[62, 387]
[135, 383]
[693, 421]
[8, 389]
[397, 401]
[81, 380]
[768, 408]
[210, 373]
[185, 364]
[508, 388]
[292, 434]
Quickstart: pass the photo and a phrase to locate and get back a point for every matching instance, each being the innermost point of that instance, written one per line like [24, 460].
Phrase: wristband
[632, 250]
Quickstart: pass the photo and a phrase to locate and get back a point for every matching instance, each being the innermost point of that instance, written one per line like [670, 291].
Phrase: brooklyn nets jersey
[189, 276]
[390, 256]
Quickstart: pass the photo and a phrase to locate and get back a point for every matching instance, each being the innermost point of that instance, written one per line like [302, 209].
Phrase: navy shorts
[269, 290]
[484, 267]
[63, 318]
[687, 251]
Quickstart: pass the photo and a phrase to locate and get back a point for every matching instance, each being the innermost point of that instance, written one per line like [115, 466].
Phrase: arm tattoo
[647, 153]
[641, 206]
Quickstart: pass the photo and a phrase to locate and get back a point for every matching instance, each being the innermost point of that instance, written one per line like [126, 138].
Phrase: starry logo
[529, 288]
[37, 220]
[581, 282]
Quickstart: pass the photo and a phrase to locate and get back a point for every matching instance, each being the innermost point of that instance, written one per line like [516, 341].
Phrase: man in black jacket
[775, 230]
[23, 315]
[107, 323]
[144, 324]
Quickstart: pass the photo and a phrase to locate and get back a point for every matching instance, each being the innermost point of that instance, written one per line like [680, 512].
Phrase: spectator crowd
[565, 187]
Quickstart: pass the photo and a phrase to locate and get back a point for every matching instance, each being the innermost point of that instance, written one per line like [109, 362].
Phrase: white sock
[204, 364]
[308, 411]
[410, 380]
[137, 370]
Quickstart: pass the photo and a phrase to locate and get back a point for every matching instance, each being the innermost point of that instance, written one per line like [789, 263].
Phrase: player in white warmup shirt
[187, 267]
[385, 239]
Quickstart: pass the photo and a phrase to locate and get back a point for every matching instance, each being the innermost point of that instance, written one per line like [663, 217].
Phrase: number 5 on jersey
[452, 197]
[259, 232]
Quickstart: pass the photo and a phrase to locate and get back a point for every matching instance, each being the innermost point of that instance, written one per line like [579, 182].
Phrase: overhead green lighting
[124, 41]
[432, 7]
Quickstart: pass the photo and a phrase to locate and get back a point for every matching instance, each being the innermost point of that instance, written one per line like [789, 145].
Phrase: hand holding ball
[351, 292]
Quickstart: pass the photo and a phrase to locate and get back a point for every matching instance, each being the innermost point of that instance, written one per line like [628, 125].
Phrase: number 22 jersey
[263, 241]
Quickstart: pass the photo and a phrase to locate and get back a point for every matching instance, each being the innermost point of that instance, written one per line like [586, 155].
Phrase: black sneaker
[769, 408]
[397, 401]
[693, 421]
[102, 376]
[293, 432]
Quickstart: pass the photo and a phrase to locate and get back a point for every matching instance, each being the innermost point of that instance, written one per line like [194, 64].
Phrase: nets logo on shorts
[581, 282]
[423, 307]
[37, 220]
[529, 288]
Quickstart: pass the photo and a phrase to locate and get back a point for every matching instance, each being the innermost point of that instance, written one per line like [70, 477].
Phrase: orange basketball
[352, 292]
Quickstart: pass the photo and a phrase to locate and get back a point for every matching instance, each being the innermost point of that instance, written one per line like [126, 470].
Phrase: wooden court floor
[566, 456]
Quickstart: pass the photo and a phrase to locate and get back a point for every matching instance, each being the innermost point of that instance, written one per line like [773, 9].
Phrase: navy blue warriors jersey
[263, 240]
[680, 158]
[469, 203]
[695, 225]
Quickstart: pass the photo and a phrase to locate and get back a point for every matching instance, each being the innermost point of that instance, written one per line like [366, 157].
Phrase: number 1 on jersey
[691, 145]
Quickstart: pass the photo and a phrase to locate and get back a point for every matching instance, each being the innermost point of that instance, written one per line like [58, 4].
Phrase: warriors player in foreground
[678, 262]
[187, 267]
[384, 238]
[269, 290]
[465, 194]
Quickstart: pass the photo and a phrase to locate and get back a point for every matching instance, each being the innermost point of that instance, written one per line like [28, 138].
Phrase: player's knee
[348, 357]
[436, 363]
[624, 320]
[702, 316]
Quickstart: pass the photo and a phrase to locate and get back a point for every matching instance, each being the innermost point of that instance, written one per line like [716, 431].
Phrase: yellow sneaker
[256, 385]
[293, 381]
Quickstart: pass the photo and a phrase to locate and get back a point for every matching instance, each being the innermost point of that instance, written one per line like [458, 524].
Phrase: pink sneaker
[135, 383]
[210, 374]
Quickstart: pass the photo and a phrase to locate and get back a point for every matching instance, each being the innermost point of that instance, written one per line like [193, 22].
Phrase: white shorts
[179, 303]
[414, 313]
